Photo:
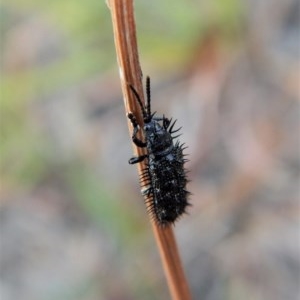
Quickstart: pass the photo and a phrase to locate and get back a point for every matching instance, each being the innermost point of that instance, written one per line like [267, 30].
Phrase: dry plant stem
[130, 73]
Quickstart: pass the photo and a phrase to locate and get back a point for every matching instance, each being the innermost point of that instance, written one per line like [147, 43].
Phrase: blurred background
[73, 222]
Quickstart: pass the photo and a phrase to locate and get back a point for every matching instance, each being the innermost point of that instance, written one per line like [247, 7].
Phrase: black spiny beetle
[164, 177]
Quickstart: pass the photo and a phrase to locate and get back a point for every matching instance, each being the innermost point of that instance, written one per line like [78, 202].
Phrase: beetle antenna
[137, 97]
[148, 108]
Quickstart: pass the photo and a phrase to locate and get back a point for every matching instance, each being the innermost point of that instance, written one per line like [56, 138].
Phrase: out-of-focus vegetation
[61, 44]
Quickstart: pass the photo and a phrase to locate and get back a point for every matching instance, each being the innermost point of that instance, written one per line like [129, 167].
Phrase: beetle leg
[135, 125]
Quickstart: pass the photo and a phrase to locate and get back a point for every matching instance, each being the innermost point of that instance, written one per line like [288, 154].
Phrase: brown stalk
[130, 73]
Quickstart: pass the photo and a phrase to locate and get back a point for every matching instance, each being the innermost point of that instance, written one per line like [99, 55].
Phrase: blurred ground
[73, 223]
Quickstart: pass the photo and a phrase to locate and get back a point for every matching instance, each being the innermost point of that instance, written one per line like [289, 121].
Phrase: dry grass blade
[130, 73]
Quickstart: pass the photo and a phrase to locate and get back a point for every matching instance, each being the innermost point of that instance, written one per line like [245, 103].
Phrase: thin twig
[130, 73]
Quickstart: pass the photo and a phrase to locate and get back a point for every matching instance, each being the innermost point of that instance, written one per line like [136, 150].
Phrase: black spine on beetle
[164, 177]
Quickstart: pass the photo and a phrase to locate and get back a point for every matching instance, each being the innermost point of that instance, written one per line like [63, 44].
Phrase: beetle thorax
[159, 140]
